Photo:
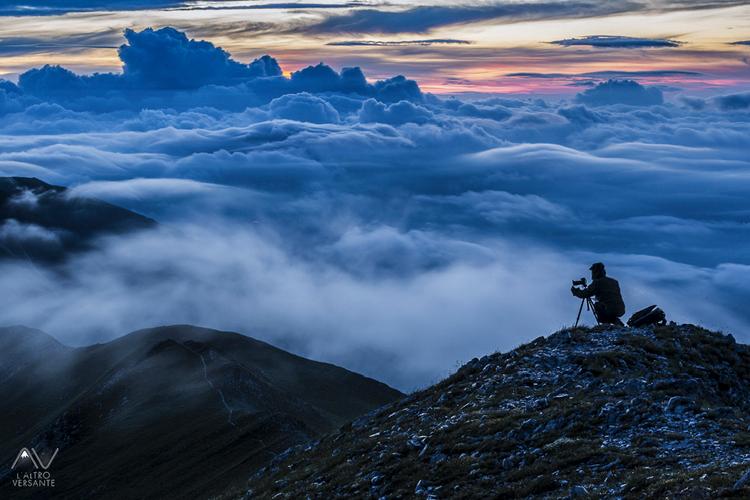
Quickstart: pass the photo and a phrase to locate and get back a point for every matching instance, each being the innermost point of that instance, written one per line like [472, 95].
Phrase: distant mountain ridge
[619, 413]
[42, 222]
[168, 412]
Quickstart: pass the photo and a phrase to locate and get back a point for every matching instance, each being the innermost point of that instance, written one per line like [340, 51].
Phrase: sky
[395, 188]
[450, 47]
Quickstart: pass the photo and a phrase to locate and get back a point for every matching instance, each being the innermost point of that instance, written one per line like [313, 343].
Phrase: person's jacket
[607, 291]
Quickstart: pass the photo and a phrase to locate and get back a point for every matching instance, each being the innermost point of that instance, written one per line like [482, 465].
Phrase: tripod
[589, 307]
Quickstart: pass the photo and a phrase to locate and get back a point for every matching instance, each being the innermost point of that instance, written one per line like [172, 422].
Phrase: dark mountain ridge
[169, 412]
[42, 222]
[660, 412]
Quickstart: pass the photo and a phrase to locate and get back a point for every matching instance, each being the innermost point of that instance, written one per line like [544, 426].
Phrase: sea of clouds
[367, 223]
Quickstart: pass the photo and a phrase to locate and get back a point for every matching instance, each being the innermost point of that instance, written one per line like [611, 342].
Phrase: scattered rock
[679, 404]
[579, 491]
[742, 481]
[423, 488]
[607, 412]
[415, 442]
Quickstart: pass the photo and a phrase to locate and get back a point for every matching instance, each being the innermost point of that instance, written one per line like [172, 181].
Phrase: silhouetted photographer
[608, 306]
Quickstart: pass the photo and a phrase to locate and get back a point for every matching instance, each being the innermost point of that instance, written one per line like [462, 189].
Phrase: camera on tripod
[581, 282]
[585, 299]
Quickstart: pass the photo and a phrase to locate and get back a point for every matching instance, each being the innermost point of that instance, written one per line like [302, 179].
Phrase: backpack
[651, 315]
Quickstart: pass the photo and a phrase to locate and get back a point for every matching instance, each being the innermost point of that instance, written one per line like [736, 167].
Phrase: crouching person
[608, 305]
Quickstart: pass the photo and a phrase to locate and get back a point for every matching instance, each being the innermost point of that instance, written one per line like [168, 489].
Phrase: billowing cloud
[14, 233]
[304, 108]
[617, 42]
[437, 60]
[395, 114]
[734, 101]
[163, 59]
[19, 240]
[627, 92]
[407, 330]
[164, 68]
[167, 59]
[368, 223]
[696, 103]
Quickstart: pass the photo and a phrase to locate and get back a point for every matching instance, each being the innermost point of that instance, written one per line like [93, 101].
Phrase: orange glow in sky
[490, 48]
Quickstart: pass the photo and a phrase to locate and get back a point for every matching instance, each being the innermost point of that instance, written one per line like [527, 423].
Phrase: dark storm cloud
[617, 42]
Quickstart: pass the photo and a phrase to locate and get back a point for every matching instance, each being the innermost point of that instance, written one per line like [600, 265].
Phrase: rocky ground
[661, 412]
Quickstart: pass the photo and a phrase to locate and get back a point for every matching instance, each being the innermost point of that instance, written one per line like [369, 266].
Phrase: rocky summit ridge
[605, 412]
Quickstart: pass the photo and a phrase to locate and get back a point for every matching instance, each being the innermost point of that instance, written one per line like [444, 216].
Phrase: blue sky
[348, 213]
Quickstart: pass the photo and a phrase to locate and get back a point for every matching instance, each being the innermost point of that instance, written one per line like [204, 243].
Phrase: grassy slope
[660, 412]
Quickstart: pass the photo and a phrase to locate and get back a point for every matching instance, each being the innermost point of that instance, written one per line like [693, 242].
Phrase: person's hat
[596, 266]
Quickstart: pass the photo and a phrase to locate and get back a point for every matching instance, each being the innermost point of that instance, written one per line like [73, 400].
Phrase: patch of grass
[742, 439]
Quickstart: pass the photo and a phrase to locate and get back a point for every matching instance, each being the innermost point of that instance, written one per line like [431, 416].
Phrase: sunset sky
[449, 47]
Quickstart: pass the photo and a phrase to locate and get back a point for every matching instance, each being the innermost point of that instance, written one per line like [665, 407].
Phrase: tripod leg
[590, 305]
[580, 310]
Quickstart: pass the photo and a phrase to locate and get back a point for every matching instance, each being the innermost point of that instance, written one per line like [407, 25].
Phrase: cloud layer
[627, 92]
[399, 43]
[55, 7]
[424, 18]
[164, 68]
[369, 223]
[617, 42]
